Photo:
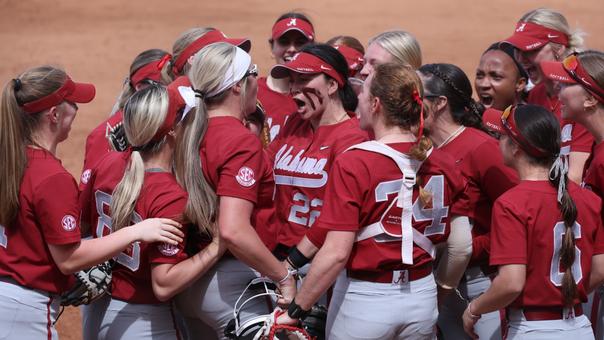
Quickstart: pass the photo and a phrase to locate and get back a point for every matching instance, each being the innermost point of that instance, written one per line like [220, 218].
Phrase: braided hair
[450, 81]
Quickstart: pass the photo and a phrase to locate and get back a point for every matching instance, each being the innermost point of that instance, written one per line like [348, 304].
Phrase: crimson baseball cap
[70, 91]
[529, 36]
[353, 57]
[306, 63]
[298, 24]
[571, 71]
[210, 37]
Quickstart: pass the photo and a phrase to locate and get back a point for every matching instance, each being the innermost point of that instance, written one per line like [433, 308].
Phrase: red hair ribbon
[419, 101]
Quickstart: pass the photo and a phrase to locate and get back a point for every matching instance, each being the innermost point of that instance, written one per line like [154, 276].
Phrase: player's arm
[576, 163]
[596, 277]
[506, 287]
[456, 255]
[169, 279]
[326, 266]
[73, 257]
[243, 241]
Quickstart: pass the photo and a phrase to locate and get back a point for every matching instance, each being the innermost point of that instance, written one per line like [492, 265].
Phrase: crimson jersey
[263, 213]
[528, 228]
[302, 159]
[97, 145]
[160, 196]
[48, 214]
[363, 190]
[478, 157]
[278, 107]
[575, 138]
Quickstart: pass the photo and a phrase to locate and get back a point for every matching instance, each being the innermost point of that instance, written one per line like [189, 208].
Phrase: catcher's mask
[260, 327]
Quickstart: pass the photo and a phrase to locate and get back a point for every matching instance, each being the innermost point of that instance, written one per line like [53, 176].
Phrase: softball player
[323, 126]
[289, 34]
[144, 70]
[221, 170]
[388, 203]
[544, 35]
[454, 126]
[139, 184]
[582, 98]
[500, 79]
[39, 216]
[546, 233]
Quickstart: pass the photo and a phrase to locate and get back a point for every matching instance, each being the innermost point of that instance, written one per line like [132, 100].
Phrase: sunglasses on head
[253, 71]
[571, 65]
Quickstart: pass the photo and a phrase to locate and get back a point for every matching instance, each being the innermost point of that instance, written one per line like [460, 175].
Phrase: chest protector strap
[409, 235]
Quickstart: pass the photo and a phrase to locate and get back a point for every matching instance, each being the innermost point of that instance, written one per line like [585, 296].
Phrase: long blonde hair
[555, 20]
[144, 114]
[17, 128]
[402, 45]
[207, 74]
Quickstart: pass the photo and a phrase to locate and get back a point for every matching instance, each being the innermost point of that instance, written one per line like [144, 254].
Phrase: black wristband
[296, 312]
[296, 258]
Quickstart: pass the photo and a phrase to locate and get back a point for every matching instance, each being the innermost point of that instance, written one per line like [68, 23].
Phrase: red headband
[210, 37]
[508, 121]
[150, 71]
[284, 25]
[307, 63]
[529, 36]
[70, 91]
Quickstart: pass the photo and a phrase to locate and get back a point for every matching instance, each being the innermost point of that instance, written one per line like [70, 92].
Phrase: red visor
[505, 123]
[150, 71]
[306, 63]
[284, 25]
[353, 57]
[70, 91]
[571, 71]
[529, 36]
[210, 37]
[175, 107]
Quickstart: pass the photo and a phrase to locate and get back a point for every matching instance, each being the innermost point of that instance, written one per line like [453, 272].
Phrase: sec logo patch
[68, 222]
[85, 176]
[167, 249]
[245, 176]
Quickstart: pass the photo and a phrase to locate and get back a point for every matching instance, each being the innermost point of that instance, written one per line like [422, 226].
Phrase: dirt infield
[96, 41]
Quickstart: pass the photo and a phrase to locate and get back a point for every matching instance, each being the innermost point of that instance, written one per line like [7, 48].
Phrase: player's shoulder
[163, 183]
[112, 161]
[586, 196]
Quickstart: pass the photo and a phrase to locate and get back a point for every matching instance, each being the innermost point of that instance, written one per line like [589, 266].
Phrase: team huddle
[351, 193]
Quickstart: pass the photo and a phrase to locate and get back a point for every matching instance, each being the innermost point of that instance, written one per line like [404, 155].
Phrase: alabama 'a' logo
[292, 22]
[245, 177]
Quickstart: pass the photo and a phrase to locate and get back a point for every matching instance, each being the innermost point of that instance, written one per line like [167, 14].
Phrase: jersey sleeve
[508, 235]
[495, 177]
[242, 170]
[343, 196]
[57, 210]
[168, 205]
[582, 140]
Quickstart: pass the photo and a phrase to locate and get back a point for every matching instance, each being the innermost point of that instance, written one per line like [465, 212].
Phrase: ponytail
[126, 192]
[558, 178]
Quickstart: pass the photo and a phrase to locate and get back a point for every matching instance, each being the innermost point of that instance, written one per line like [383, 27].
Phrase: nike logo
[549, 36]
[325, 68]
[323, 147]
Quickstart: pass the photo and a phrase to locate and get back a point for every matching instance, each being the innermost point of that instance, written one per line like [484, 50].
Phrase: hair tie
[17, 84]
[558, 170]
[199, 94]
[137, 148]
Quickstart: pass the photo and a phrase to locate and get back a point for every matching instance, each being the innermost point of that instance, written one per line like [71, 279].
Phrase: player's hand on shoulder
[159, 230]
[469, 320]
